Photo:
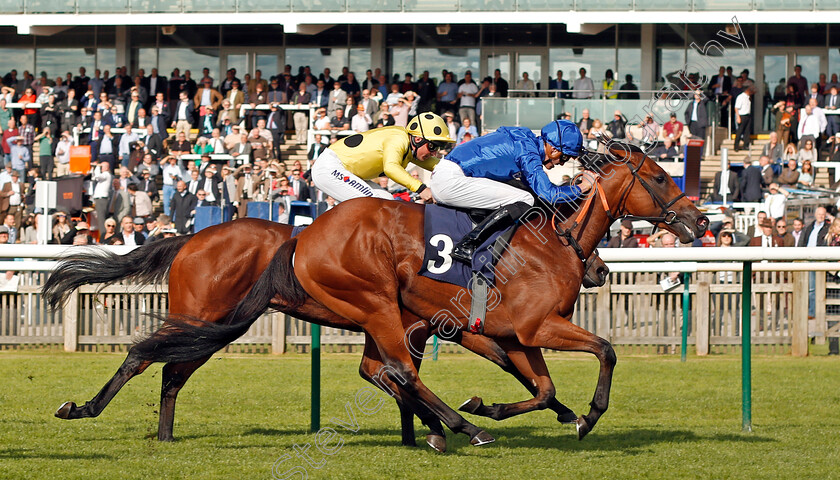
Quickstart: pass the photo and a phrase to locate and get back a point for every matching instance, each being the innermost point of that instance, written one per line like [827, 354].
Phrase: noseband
[668, 216]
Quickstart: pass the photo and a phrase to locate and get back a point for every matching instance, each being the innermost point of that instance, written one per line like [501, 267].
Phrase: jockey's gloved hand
[586, 180]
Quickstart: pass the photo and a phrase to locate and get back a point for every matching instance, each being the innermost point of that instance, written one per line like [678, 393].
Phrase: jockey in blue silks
[471, 176]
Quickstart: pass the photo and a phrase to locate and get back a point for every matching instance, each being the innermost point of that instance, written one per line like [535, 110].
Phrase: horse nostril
[703, 222]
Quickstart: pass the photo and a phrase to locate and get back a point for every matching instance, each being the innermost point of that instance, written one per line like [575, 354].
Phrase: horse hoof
[482, 438]
[471, 405]
[567, 418]
[437, 442]
[65, 409]
[582, 428]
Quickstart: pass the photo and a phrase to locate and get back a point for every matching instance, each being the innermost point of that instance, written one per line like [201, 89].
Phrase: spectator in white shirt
[583, 88]
[524, 83]
[361, 120]
[812, 122]
[101, 192]
[467, 92]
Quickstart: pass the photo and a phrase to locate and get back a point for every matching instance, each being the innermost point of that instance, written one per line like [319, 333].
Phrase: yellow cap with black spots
[429, 126]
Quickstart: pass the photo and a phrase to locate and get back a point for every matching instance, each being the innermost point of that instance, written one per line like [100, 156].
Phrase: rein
[668, 216]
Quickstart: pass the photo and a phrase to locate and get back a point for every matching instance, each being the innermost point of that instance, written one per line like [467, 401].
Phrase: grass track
[238, 415]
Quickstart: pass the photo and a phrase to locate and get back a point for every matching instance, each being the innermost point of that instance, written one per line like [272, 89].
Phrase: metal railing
[467, 6]
[631, 309]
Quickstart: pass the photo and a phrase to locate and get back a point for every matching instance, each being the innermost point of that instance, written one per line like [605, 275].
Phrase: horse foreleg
[131, 366]
[516, 365]
[175, 375]
[370, 369]
[558, 333]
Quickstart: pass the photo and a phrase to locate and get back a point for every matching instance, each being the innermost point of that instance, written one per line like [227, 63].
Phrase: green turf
[238, 415]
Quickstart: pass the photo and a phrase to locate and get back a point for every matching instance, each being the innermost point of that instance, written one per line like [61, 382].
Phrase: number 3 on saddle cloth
[442, 228]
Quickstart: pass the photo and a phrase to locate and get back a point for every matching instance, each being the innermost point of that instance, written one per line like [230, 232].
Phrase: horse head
[646, 191]
[595, 271]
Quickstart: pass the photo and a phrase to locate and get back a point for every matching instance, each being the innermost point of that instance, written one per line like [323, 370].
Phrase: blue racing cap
[564, 136]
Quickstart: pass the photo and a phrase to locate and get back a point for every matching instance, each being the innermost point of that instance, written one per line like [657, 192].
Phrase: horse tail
[185, 339]
[147, 264]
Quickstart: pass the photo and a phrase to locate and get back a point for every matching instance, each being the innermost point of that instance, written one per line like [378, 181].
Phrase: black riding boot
[498, 220]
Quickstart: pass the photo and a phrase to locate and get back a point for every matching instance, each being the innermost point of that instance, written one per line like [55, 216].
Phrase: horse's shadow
[628, 441]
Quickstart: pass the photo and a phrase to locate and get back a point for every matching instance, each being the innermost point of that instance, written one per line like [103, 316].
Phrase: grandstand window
[267, 64]
[596, 61]
[435, 60]
[106, 58]
[782, 4]
[102, 6]
[19, 58]
[239, 61]
[214, 5]
[430, 5]
[717, 5]
[146, 59]
[262, 5]
[50, 6]
[193, 59]
[622, 5]
[58, 61]
[359, 61]
[318, 6]
[374, 6]
[629, 61]
[538, 5]
[481, 5]
[155, 6]
[660, 5]
[401, 61]
[317, 59]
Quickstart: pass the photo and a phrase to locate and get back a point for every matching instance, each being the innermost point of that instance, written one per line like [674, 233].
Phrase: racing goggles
[434, 146]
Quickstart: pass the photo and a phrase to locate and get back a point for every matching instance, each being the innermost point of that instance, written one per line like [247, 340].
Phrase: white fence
[631, 310]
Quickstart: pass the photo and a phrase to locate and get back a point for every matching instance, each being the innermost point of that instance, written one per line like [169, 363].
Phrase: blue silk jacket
[507, 153]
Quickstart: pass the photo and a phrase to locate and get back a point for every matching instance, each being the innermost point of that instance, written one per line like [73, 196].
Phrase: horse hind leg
[515, 365]
[175, 375]
[131, 366]
[530, 368]
[370, 369]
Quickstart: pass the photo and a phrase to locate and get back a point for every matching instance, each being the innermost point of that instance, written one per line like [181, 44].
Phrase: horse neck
[593, 226]
[595, 223]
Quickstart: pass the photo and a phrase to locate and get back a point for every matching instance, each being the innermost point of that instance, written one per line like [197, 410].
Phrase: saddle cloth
[442, 228]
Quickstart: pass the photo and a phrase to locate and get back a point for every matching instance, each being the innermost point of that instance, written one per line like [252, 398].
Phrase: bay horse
[360, 261]
[208, 274]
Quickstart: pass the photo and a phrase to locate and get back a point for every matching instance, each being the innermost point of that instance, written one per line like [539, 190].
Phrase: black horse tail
[186, 339]
[147, 264]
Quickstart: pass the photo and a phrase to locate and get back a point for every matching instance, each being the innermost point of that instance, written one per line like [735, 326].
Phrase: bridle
[668, 216]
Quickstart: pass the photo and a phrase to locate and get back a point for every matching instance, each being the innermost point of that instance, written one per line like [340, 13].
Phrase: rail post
[71, 323]
[316, 379]
[686, 299]
[746, 338]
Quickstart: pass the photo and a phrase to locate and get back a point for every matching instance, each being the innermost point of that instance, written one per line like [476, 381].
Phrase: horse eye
[660, 178]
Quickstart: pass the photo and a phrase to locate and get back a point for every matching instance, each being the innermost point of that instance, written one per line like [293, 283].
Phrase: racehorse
[208, 274]
[360, 261]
